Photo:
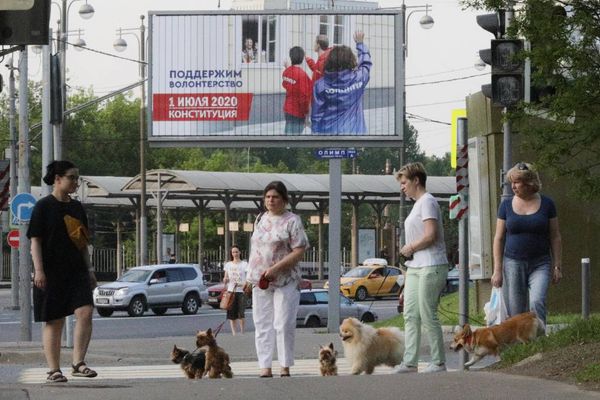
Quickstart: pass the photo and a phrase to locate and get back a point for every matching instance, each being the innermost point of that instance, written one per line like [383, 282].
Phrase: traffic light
[26, 26]
[506, 88]
[507, 71]
[56, 99]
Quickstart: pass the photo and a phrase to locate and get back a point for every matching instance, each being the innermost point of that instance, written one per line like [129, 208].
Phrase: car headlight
[349, 283]
[121, 292]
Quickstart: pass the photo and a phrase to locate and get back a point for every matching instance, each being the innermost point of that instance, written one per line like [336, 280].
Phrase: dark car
[215, 293]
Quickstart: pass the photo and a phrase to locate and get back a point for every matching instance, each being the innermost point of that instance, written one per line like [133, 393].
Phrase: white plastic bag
[495, 309]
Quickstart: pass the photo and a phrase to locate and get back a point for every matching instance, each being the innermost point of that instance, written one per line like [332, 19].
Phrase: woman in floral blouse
[278, 244]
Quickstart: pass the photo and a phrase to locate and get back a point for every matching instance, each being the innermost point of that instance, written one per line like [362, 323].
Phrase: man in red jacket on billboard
[298, 87]
[322, 48]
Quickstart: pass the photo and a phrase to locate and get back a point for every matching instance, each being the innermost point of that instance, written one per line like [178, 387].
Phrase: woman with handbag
[235, 279]
[278, 244]
[63, 277]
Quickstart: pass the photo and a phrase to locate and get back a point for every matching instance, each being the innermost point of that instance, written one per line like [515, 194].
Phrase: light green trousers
[422, 290]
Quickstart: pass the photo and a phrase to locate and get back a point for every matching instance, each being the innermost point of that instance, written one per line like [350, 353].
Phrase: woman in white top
[235, 279]
[278, 244]
[427, 271]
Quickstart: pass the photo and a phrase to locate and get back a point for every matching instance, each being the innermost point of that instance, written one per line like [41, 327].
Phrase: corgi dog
[367, 347]
[521, 328]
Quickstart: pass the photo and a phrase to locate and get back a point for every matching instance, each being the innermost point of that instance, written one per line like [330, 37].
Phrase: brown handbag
[77, 232]
[227, 299]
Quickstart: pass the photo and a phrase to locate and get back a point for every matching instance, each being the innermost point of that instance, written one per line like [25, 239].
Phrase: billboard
[285, 78]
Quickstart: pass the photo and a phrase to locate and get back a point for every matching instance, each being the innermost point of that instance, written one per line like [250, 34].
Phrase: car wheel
[313, 322]
[104, 312]
[159, 310]
[367, 317]
[361, 294]
[191, 303]
[137, 306]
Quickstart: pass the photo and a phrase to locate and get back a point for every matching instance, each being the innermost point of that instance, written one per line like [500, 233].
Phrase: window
[333, 27]
[189, 274]
[322, 297]
[259, 39]
[174, 275]
[307, 298]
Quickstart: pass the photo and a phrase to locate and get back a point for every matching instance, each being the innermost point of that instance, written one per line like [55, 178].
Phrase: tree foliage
[563, 128]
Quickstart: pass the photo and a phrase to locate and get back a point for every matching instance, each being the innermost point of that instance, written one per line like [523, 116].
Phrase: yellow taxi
[374, 278]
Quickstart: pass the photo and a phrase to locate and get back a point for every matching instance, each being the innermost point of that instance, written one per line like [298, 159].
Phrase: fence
[105, 260]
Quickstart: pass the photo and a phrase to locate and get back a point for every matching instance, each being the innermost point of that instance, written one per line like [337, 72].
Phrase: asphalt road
[173, 323]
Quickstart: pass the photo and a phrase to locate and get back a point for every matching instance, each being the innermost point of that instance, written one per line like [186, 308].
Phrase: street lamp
[120, 45]
[86, 11]
[426, 22]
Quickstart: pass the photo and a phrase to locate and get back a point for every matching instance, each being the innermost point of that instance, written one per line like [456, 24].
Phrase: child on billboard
[337, 98]
[298, 88]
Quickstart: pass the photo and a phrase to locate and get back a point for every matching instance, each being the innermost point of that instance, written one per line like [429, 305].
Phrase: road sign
[22, 206]
[13, 239]
[323, 154]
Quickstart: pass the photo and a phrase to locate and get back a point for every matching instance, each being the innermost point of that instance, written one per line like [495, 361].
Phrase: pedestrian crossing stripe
[241, 369]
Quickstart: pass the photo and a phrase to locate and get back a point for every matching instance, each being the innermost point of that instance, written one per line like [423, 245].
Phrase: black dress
[68, 284]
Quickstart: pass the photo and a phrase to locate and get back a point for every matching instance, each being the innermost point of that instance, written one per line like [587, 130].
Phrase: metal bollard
[585, 288]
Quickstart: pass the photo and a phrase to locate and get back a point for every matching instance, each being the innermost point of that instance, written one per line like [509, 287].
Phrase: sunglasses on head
[522, 166]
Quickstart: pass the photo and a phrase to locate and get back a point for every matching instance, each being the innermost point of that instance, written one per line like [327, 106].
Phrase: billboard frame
[299, 141]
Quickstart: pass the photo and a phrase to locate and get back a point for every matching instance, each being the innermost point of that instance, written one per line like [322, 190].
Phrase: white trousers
[274, 311]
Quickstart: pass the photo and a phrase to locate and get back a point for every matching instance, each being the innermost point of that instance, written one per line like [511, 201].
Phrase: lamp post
[426, 22]
[86, 11]
[120, 45]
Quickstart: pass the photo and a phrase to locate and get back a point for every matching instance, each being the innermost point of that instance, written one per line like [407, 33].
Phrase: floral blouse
[274, 238]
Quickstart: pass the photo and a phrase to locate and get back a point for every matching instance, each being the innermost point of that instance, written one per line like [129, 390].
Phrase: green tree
[562, 128]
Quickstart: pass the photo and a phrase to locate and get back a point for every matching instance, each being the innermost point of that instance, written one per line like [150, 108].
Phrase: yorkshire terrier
[191, 364]
[327, 359]
[217, 361]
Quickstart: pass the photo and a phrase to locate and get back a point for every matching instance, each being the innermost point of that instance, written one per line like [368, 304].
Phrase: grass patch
[579, 331]
[447, 311]
[591, 373]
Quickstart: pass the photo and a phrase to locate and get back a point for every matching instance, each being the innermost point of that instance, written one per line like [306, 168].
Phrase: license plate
[102, 301]
[213, 300]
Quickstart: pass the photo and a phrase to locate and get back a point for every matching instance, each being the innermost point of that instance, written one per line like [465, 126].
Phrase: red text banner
[201, 107]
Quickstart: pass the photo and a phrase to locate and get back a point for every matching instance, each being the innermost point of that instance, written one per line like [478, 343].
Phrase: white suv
[155, 287]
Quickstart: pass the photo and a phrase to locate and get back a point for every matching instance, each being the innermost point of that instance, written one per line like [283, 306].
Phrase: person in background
[426, 271]
[235, 279]
[249, 52]
[322, 49]
[527, 244]
[63, 276]
[278, 244]
[337, 104]
[298, 88]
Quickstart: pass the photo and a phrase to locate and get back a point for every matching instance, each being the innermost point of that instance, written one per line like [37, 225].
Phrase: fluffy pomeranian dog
[327, 360]
[521, 328]
[366, 347]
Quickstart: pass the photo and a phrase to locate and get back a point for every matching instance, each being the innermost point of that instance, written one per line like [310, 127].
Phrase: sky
[447, 52]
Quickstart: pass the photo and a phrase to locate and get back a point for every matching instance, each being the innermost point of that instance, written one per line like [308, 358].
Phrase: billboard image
[304, 77]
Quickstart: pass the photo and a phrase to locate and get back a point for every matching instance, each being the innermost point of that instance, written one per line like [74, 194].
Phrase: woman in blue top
[337, 97]
[527, 244]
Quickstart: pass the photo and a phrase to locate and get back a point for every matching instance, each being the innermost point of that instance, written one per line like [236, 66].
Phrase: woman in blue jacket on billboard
[337, 97]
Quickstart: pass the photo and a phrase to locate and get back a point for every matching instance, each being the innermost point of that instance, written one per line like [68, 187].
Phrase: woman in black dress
[63, 277]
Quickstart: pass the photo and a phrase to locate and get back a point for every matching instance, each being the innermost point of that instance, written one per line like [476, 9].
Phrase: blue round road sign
[22, 206]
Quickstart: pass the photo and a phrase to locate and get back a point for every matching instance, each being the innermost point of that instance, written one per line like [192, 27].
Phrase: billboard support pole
[335, 224]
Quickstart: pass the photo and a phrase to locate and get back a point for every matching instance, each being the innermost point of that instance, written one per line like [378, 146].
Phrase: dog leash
[445, 313]
[378, 289]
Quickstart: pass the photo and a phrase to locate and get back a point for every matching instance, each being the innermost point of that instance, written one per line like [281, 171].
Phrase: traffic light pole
[507, 153]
